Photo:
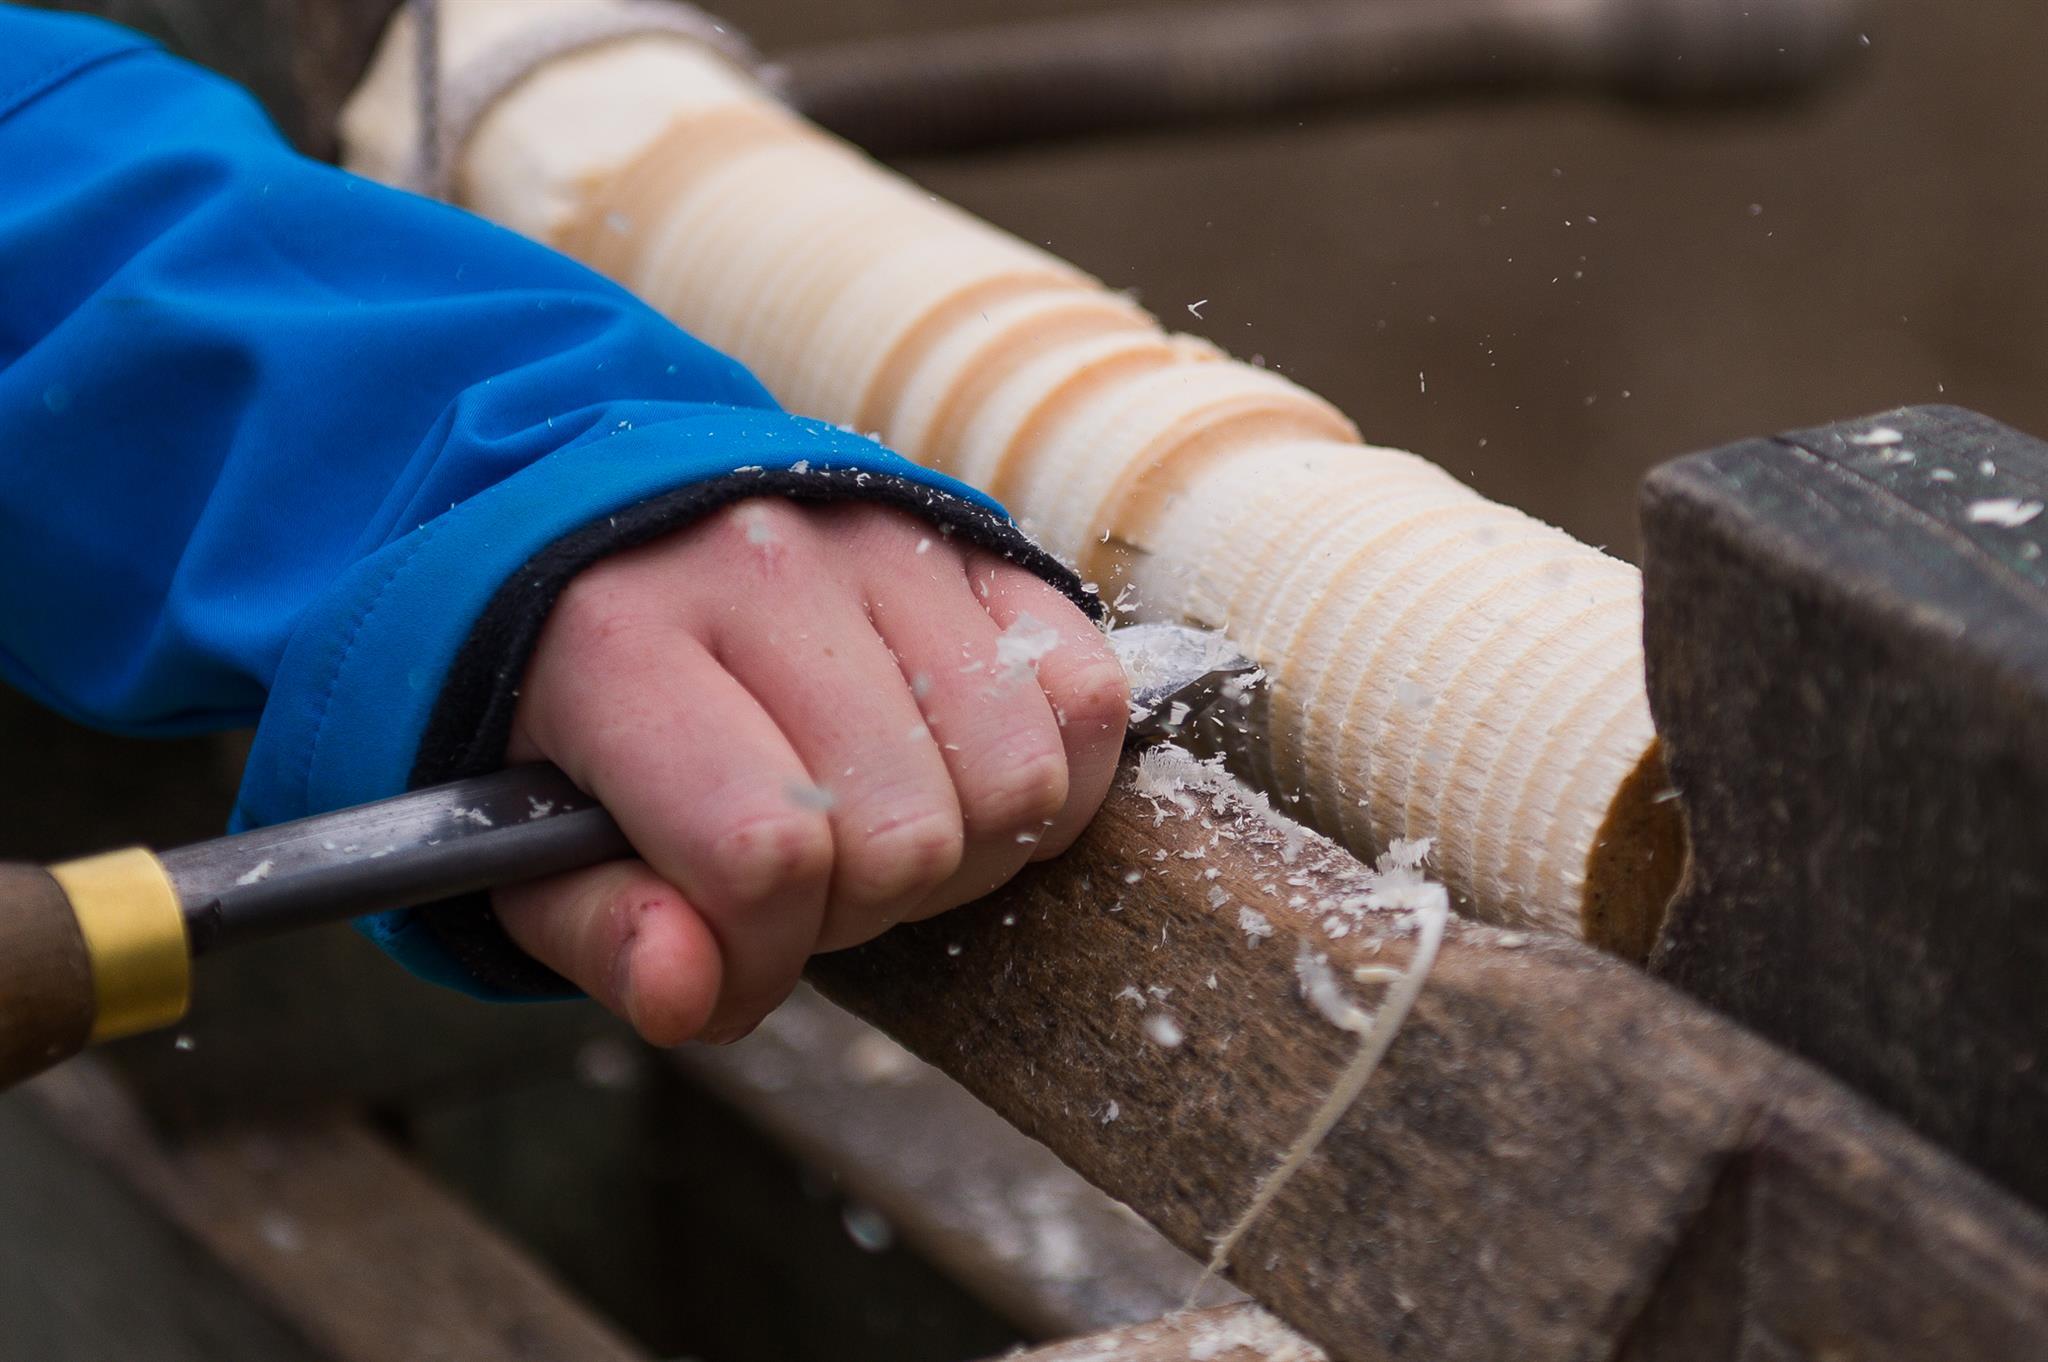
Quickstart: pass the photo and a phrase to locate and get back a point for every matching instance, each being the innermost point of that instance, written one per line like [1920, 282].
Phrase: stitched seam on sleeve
[42, 82]
[355, 634]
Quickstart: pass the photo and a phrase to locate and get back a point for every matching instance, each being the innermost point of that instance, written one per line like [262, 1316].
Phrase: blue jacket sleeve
[277, 439]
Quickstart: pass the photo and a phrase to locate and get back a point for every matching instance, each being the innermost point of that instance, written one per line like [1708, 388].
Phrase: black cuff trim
[471, 722]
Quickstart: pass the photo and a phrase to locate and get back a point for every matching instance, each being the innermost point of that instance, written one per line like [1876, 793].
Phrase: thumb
[626, 937]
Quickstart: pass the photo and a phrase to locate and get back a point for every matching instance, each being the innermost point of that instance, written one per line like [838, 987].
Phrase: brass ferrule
[134, 932]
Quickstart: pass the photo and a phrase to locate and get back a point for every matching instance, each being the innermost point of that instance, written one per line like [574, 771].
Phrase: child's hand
[799, 718]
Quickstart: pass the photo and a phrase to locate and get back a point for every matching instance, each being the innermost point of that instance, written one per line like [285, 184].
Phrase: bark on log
[1559, 1157]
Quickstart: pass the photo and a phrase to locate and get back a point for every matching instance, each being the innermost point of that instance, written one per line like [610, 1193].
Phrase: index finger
[1081, 678]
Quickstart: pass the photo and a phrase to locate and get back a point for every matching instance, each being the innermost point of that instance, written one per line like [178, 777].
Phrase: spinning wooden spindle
[1441, 666]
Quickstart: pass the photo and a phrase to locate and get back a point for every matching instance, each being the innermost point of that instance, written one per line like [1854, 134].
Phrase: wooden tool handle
[89, 950]
[46, 998]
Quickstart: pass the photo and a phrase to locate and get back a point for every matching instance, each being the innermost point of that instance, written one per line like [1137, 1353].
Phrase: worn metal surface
[515, 824]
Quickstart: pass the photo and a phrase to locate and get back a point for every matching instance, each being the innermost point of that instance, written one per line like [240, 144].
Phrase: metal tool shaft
[511, 825]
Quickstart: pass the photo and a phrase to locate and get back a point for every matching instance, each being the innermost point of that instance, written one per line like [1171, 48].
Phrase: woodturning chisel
[102, 947]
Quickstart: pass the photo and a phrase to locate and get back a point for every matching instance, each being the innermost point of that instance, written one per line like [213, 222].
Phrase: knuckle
[902, 860]
[761, 528]
[759, 858]
[1023, 794]
[596, 611]
[1095, 698]
[610, 740]
[872, 519]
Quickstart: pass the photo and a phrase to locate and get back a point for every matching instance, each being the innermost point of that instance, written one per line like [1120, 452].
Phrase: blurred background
[1545, 291]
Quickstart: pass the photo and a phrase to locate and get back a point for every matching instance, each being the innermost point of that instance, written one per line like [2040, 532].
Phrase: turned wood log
[1558, 1158]
[1442, 666]
[1848, 641]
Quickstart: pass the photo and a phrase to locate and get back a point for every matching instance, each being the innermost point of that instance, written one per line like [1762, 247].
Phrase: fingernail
[622, 983]
[726, 1035]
